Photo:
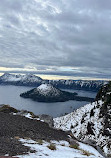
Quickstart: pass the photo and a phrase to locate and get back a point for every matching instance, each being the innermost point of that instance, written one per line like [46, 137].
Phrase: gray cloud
[54, 35]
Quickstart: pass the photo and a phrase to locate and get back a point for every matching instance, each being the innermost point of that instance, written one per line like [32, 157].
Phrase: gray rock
[90, 142]
[73, 142]
[47, 119]
[93, 143]
[101, 152]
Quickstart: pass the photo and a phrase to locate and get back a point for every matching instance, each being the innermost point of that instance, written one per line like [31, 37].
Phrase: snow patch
[62, 150]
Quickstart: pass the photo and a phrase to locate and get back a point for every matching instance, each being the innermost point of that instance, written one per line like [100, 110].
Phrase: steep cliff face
[105, 111]
[91, 123]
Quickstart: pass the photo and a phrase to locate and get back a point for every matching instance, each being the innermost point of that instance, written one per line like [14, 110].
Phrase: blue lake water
[10, 95]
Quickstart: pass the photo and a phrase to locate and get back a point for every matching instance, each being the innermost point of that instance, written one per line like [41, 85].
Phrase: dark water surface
[10, 95]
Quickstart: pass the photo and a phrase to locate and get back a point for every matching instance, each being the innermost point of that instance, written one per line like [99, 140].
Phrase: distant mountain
[88, 85]
[48, 93]
[34, 81]
[91, 123]
[22, 80]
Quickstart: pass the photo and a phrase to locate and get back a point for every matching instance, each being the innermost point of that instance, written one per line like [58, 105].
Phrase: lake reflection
[10, 95]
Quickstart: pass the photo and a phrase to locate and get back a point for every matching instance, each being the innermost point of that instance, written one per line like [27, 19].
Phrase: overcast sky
[56, 37]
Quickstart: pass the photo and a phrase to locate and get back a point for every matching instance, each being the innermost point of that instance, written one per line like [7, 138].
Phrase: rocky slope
[48, 93]
[91, 123]
[24, 135]
[32, 80]
[14, 126]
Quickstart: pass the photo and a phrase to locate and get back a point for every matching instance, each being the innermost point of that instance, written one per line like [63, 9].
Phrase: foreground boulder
[47, 119]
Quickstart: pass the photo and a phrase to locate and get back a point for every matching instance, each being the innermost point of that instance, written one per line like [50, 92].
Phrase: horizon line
[58, 77]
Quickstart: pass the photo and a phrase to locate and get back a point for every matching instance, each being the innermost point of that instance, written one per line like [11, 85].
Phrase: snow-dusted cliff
[91, 123]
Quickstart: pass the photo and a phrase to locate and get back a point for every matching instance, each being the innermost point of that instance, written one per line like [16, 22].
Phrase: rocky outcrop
[47, 119]
[7, 109]
[43, 117]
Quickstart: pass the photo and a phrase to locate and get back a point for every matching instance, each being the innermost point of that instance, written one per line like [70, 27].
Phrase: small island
[48, 93]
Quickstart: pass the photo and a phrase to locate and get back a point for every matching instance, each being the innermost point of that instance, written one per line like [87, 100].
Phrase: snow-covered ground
[85, 124]
[74, 118]
[62, 150]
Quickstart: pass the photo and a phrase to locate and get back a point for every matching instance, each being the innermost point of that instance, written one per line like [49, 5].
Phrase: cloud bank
[71, 38]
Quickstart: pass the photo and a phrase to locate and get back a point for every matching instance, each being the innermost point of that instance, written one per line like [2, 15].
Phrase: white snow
[62, 150]
[74, 118]
[77, 122]
[46, 89]
[109, 93]
[28, 115]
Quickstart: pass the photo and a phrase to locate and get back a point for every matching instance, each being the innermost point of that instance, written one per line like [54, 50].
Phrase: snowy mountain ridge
[90, 85]
[23, 78]
[33, 80]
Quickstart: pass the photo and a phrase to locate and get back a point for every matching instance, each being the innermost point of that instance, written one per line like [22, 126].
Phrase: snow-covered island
[49, 93]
